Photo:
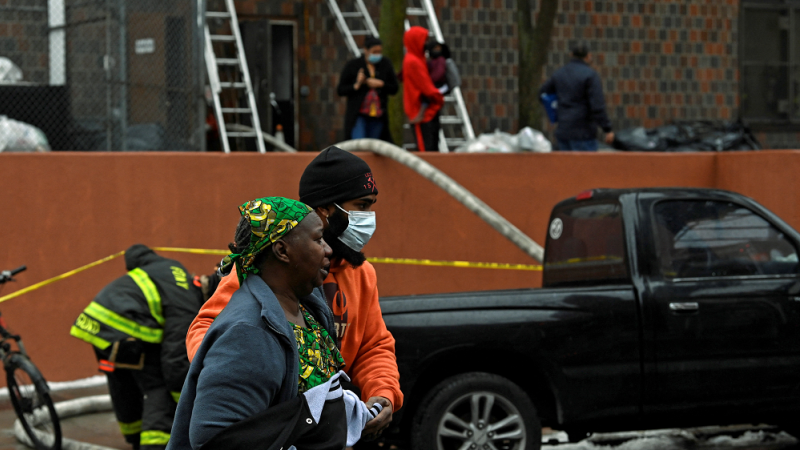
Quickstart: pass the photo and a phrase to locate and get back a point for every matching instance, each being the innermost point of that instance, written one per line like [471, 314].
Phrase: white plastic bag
[497, 142]
[531, 140]
[18, 136]
[9, 72]
[527, 140]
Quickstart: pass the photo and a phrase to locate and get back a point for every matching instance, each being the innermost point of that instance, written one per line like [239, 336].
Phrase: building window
[769, 58]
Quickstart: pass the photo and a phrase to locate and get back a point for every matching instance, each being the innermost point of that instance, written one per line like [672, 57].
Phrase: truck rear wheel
[476, 411]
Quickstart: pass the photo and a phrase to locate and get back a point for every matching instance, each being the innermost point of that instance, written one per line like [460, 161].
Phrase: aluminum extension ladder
[241, 80]
[360, 13]
[426, 11]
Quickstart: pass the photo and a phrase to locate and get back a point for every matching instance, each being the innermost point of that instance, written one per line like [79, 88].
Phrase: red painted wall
[63, 210]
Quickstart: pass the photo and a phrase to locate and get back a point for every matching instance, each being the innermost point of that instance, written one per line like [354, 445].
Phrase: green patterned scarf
[270, 219]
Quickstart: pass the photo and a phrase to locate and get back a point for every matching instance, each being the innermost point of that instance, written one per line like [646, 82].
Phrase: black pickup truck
[661, 308]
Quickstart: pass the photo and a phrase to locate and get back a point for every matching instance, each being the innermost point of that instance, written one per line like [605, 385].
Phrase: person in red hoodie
[421, 99]
[341, 189]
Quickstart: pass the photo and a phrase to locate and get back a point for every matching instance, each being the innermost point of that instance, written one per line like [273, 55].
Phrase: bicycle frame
[5, 346]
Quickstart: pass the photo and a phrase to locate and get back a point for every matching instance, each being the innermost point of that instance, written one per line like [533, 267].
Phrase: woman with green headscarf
[267, 373]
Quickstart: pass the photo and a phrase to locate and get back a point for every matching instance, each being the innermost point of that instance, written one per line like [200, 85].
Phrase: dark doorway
[271, 57]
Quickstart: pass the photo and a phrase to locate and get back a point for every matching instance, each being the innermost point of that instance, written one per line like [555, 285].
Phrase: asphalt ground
[101, 429]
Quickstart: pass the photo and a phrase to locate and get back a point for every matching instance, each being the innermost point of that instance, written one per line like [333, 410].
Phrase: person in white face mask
[342, 190]
[367, 82]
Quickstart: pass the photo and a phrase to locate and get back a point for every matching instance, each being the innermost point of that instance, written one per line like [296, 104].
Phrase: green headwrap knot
[270, 219]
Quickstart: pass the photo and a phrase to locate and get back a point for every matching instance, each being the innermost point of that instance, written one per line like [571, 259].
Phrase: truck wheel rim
[481, 421]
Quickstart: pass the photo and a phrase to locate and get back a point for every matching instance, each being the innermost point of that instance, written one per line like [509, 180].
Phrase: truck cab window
[715, 238]
[586, 245]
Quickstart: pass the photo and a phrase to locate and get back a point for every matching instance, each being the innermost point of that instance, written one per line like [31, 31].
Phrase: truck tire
[476, 411]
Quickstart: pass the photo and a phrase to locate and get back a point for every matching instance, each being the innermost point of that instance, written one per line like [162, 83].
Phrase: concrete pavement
[99, 429]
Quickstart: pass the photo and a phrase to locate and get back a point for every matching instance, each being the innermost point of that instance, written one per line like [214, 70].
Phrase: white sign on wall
[144, 46]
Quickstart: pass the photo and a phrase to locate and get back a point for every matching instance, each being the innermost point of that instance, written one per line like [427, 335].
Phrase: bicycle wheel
[32, 403]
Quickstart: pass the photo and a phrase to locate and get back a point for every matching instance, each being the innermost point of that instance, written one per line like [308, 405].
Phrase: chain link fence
[110, 75]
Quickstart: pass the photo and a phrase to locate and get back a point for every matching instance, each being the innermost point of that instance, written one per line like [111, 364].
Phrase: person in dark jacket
[438, 53]
[137, 325]
[581, 105]
[272, 343]
[367, 82]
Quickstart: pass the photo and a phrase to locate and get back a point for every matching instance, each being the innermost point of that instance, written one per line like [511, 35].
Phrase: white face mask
[359, 230]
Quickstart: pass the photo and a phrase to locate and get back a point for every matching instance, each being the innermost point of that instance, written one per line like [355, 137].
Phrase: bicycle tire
[29, 393]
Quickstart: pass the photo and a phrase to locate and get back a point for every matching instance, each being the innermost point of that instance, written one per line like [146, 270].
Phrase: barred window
[770, 61]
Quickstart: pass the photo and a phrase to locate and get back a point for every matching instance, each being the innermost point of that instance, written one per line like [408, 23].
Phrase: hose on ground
[66, 409]
[465, 197]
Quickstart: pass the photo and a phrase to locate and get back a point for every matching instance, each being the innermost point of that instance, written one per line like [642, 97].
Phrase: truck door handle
[684, 306]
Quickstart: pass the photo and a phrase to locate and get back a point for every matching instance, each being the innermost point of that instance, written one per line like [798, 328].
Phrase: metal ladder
[361, 14]
[213, 63]
[426, 11]
[459, 116]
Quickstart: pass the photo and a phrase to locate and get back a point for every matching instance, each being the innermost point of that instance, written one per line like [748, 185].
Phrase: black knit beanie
[335, 176]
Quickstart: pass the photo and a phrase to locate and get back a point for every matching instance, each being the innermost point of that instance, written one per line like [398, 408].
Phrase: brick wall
[24, 37]
[659, 60]
[477, 30]
[86, 40]
[321, 54]
[482, 36]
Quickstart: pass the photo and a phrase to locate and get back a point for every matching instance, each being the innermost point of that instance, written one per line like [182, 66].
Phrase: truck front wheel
[476, 411]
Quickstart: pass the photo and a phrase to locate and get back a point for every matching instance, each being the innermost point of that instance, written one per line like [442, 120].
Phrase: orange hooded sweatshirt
[366, 345]
[417, 83]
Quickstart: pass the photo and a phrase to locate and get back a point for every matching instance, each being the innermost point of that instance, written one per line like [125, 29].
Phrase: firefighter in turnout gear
[137, 325]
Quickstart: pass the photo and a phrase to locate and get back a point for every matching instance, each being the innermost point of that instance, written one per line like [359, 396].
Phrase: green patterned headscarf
[270, 219]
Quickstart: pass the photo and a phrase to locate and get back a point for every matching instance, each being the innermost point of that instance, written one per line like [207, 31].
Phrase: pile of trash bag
[16, 136]
[527, 140]
[688, 136]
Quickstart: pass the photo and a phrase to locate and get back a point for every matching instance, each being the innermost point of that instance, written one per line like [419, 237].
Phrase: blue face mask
[374, 59]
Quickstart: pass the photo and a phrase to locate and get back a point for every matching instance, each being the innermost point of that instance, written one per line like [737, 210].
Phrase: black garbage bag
[686, 136]
[639, 139]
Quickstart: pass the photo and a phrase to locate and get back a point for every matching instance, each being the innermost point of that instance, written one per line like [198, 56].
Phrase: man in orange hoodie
[421, 100]
[341, 189]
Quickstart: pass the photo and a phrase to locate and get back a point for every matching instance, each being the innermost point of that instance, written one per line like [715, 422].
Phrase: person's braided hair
[241, 239]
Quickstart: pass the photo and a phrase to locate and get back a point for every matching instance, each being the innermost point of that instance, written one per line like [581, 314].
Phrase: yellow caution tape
[407, 261]
[469, 264]
[33, 287]
[196, 251]
[201, 251]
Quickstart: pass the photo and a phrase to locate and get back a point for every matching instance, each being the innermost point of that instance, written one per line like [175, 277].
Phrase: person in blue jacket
[581, 104]
[267, 370]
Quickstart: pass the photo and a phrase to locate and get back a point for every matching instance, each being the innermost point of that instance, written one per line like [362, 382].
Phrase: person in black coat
[367, 82]
[581, 104]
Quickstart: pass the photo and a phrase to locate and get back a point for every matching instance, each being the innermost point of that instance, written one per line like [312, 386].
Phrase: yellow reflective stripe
[175, 396]
[127, 326]
[150, 293]
[130, 428]
[102, 344]
[152, 437]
